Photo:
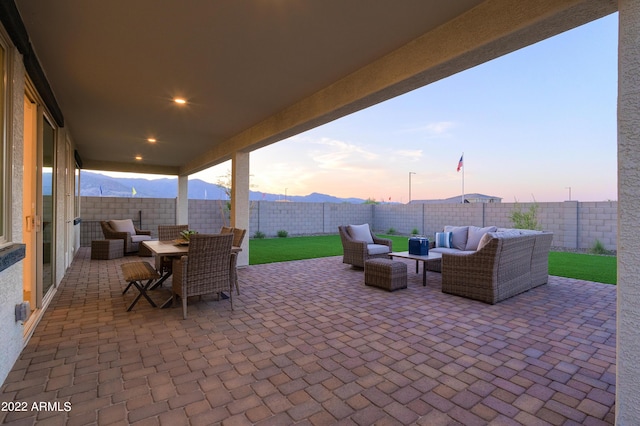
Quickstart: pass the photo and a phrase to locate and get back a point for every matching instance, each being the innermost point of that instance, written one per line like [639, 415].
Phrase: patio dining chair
[238, 237]
[208, 268]
[168, 233]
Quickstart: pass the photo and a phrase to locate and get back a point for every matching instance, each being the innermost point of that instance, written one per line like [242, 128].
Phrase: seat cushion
[449, 250]
[361, 233]
[138, 238]
[374, 249]
[124, 225]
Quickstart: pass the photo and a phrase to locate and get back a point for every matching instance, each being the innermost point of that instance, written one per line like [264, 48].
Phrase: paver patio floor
[309, 343]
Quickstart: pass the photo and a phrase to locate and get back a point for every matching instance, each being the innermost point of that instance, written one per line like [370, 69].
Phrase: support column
[628, 310]
[240, 200]
[182, 203]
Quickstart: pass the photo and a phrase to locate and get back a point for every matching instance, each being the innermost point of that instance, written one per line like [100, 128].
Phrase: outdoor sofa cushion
[140, 238]
[124, 225]
[475, 234]
[458, 236]
[443, 239]
[374, 249]
[361, 233]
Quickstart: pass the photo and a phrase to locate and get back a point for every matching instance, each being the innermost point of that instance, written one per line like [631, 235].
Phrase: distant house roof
[468, 198]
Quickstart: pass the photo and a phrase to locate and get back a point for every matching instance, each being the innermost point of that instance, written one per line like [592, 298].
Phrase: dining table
[173, 249]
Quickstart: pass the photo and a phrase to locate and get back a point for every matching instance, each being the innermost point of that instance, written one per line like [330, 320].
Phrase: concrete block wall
[208, 216]
[402, 218]
[346, 214]
[574, 224]
[294, 218]
[153, 211]
[437, 216]
[598, 221]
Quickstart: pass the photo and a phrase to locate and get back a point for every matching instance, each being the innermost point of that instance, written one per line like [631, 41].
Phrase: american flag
[460, 163]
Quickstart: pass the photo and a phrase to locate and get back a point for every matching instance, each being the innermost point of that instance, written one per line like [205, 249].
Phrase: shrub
[598, 248]
[391, 231]
[414, 231]
[283, 234]
[527, 219]
[259, 235]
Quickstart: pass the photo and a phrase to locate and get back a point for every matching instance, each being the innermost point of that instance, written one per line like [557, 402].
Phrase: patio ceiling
[255, 72]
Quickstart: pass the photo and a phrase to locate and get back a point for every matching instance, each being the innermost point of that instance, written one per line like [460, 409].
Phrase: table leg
[424, 274]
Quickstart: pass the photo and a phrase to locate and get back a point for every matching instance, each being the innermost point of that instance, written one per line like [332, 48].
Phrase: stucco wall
[628, 332]
[11, 332]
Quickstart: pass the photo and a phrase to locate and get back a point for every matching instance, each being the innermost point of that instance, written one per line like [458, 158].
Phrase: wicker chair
[131, 239]
[356, 253]
[497, 271]
[238, 237]
[208, 268]
[168, 233]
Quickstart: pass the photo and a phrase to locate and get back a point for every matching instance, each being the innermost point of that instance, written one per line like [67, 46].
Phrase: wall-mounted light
[180, 101]
[151, 140]
[138, 157]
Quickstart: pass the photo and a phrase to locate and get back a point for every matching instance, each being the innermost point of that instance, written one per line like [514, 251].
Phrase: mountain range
[98, 185]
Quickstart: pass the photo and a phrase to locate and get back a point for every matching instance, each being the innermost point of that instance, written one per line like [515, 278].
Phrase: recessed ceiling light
[138, 157]
[180, 101]
[152, 140]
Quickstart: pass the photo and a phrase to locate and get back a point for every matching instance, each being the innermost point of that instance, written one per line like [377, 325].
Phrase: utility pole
[410, 173]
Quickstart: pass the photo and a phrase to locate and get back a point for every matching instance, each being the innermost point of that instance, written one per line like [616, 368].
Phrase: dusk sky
[531, 124]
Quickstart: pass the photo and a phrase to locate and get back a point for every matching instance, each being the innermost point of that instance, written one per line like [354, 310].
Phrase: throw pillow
[475, 234]
[125, 225]
[443, 239]
[485, 240]
[458, 236]
[361, 233]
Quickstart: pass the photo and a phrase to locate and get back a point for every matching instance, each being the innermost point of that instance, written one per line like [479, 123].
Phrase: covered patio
[309, 343]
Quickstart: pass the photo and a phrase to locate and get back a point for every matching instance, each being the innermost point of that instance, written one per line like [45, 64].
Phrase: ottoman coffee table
[385, 273]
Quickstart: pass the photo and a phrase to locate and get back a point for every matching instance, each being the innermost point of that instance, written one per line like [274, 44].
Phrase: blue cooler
[419, 246]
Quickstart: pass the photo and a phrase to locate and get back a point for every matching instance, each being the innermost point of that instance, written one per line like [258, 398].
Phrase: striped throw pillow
[443, 239]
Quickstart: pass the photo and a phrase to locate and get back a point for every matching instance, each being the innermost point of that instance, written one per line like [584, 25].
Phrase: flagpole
[463, 177]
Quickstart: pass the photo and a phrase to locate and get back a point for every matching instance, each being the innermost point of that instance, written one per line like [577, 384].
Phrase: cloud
[409, 154]
[335, 154]
[433, 130]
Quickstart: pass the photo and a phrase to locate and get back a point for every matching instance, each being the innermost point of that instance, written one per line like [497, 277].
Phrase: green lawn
[601, 269]
[581, 266]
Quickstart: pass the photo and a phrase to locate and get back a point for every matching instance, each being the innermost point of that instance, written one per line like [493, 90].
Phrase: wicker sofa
[506, 262]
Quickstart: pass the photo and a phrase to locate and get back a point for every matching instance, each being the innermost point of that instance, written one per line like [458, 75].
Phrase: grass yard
[572, 265]
[589, 267]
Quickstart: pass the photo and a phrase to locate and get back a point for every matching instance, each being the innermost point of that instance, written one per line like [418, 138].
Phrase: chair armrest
[233, 262]
[141, 232]
[471, 275]
[179, 266]
[354, 245]
[384, 242]
[119, 236]
[478, 265]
